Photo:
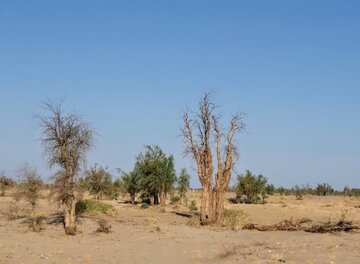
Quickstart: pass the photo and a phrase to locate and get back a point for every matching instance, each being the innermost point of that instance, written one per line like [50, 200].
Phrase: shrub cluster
[94, 207]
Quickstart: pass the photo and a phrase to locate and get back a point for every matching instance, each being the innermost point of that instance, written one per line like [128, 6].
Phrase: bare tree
[66, 140]
[199, 134]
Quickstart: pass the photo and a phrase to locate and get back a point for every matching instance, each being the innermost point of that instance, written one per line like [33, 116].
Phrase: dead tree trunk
[213, 185]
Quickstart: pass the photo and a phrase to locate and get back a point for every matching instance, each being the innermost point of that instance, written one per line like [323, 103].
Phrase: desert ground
[162, 235]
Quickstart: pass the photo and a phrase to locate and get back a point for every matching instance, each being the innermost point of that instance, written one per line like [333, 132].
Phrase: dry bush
[228, 252]
[37, 222]
[152, 222]
[12, 212]
[194, 221]
[235, 219]
[104, 226]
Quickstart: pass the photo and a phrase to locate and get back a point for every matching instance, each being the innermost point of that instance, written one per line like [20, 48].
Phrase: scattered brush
[12, 212]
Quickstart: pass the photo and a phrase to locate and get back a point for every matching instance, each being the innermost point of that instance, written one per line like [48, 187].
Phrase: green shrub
[252, 187]
[234, 219]
[144, 206]
[94, 207]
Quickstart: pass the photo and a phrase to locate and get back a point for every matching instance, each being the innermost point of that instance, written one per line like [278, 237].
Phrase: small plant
[104, 226]
[144, 206]
[234, 219]
[193, 206]
[94, 207]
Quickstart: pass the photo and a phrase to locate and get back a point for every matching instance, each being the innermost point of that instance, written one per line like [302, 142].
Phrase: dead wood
[304, 224]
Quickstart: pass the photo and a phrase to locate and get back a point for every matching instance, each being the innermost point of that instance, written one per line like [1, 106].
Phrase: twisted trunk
[70, 217]
[207, 212]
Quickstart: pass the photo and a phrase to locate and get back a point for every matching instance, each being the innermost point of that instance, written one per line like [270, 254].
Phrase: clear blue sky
[131, 67]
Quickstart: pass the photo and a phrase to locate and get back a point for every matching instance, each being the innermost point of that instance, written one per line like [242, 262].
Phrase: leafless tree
[66, 139]
[203, 136]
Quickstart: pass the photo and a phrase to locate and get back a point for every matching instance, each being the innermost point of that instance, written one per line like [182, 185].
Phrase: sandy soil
[154, 236]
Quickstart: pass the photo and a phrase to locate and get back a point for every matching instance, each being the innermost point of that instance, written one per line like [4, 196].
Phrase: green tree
[156, 174]
[183, 184]
[251, 186]
[99, 181]
[130, 184]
